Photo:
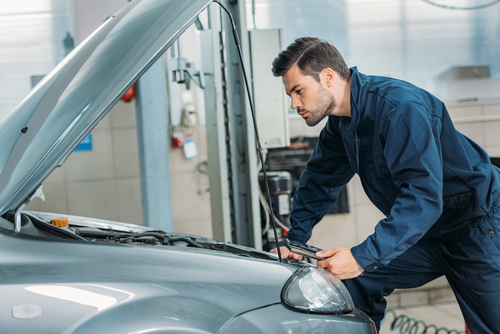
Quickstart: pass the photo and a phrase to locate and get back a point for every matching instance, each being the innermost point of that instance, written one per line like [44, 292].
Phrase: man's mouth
[303, 113]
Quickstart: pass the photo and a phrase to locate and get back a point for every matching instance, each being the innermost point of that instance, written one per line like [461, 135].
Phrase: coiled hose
[409, 325]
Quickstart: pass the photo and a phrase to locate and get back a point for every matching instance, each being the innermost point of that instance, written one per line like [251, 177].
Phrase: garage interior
[183, 158]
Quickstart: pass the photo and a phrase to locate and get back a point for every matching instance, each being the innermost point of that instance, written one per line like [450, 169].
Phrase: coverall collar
[358, 85]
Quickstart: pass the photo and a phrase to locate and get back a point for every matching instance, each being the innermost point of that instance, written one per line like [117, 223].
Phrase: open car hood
[43, 130]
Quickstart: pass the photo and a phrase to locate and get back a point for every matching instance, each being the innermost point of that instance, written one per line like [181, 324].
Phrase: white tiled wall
[486, 134]
[92, 13]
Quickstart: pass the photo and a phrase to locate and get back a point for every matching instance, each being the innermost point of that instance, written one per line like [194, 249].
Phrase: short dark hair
[312, 55]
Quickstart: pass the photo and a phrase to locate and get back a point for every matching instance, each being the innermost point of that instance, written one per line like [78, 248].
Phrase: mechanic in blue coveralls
[437, 188]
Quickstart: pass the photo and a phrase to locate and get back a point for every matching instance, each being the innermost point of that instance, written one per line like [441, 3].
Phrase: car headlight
[316, 290]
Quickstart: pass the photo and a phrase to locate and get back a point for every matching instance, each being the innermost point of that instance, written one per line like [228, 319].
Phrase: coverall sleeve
[327, 171]
[413, 155]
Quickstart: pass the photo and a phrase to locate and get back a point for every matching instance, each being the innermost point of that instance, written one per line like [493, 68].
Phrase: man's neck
[344, 99]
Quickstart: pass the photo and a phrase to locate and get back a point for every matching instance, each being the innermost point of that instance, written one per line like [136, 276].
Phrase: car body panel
[80, 286]
[277, 319]
[56, 285]
[62, 109]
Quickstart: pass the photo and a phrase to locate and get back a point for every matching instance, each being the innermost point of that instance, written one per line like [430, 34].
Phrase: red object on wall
[467, 330]
[178, 141]
[129, 95]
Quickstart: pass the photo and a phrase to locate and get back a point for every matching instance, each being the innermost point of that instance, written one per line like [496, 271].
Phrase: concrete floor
[442, 315]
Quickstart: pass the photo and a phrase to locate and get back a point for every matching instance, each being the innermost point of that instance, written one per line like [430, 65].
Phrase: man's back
[390, 110]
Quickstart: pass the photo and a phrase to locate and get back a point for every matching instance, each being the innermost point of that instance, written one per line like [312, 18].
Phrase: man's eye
[299, 91]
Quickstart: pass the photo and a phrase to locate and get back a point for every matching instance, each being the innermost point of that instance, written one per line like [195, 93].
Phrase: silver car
[67, 274]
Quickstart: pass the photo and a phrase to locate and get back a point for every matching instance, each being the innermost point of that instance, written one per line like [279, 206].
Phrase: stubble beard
[325, 105]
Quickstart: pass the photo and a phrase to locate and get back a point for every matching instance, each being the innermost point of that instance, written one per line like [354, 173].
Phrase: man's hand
[285, 252]
[340, 262]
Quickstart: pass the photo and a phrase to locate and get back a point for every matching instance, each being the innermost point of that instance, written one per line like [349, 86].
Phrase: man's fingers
[341, 264]
[324, 264]
[285, 252]
[327, 253]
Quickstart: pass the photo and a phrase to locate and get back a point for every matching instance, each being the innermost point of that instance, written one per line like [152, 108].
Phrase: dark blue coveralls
[437, 188]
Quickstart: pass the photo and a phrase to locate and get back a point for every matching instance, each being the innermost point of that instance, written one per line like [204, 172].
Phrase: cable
[267, 209]
[238, 46]
[409, 325]
[262, 201]
[461, 8]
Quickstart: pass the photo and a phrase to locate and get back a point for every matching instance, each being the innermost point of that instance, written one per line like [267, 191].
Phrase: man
[437, 188]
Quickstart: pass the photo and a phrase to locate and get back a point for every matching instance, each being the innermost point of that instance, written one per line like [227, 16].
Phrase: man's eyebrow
[294, 87]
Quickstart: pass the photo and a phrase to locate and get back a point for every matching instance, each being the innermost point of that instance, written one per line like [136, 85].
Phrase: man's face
[310, 98]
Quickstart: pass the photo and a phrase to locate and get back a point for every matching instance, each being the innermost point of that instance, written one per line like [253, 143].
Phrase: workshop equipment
[280, 190]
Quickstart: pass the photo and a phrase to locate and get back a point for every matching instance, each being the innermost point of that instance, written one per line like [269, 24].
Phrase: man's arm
[327, 171]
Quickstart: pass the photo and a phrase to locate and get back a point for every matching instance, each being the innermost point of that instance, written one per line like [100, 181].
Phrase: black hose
[165, 239]
[409, 325]
[187, 240]
[100, 234]
[157, 235]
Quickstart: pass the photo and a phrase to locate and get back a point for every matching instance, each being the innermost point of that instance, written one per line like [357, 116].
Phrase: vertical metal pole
[216, 122]
[232, 154]
[243, 150]
[152, 135]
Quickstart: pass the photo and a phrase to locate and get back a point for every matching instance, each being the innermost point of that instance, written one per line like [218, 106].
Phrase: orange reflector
[60, 222]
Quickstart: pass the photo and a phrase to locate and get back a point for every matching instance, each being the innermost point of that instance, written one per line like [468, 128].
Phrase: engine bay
[46, 225]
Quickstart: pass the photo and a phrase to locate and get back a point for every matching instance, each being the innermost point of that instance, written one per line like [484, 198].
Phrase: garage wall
[409, 40]
[31, 44]
[90, 14]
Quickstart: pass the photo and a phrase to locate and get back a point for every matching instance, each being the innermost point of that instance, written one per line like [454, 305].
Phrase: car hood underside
[42, 131]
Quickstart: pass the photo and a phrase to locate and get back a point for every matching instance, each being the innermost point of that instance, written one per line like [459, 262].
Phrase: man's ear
[329, 76]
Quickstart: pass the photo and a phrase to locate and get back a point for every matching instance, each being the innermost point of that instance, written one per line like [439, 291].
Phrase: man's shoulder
[395, 91]
[378, 96]
[373, 88]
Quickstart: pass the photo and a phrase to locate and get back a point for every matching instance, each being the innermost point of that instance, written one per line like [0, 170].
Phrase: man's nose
[295, 103]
